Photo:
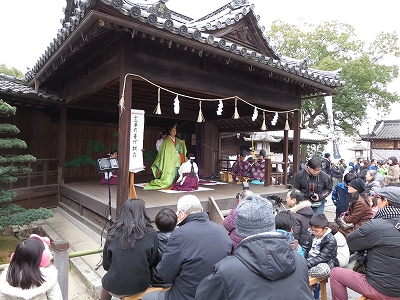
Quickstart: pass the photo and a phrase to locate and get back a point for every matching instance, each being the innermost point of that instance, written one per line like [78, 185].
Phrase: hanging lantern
[236, 114]
[200, 118]
[157, 110]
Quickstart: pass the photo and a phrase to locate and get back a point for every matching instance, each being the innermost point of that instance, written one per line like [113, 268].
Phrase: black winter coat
[382, 241]
[192, 250]
[306, 183]
[328, 251]
[128, 271]
[264, 267]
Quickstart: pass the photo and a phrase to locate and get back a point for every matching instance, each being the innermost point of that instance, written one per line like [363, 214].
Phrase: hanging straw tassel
[121, 102]
[264, 126]
[236, 114]
[287, 122]
[157, 110]
[200, 118]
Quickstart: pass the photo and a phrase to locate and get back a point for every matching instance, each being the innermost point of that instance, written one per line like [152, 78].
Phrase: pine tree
[12, 214]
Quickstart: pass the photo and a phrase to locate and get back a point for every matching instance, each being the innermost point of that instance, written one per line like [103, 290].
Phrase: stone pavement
[64, 227]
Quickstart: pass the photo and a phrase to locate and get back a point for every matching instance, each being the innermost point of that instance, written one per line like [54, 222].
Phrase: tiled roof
[385, 130]
[357, 147]
[262, 137]
[156, 14]
[13, 85]
[306, 136]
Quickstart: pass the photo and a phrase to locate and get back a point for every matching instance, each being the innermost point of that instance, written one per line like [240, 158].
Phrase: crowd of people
[258, 253]
[257, 247]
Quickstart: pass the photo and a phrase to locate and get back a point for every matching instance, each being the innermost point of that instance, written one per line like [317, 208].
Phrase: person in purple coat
[229, 221]
[241, 167]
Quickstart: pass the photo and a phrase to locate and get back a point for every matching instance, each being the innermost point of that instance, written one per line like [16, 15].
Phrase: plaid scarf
[388, 212]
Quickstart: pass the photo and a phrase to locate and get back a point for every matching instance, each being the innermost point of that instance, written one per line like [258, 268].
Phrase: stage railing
[276, 171]
[44, 172]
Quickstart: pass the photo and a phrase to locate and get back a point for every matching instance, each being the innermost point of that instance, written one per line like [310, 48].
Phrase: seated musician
[241, 168]
[257, 173]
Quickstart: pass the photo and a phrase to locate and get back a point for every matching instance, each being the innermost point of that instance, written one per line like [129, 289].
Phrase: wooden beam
[212, 83]
[94, 81]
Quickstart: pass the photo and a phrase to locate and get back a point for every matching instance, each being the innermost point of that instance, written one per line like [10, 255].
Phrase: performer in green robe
[165, 167]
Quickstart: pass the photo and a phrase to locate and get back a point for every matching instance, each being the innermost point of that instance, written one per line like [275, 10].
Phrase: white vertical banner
[329, 112]
[136, 141]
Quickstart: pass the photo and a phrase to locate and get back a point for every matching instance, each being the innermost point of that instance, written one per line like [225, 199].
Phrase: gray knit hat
[254, 214]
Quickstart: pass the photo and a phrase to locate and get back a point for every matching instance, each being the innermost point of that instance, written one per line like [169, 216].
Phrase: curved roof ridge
[157, 14]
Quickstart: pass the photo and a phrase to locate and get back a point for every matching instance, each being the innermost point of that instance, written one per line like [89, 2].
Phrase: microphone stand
[109, 197]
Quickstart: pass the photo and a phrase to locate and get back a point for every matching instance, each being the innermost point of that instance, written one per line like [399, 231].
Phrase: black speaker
[107, 164]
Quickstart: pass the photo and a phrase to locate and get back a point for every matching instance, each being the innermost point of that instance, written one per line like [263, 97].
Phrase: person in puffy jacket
[264, 265]
[28, 276]
[380, 238]
[320, 248]
[303, 213]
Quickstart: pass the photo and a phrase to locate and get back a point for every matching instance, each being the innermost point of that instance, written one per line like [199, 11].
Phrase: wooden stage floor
[89, 199]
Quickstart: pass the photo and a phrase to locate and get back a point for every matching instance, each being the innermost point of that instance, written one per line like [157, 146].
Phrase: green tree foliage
[334, 45]
[11, 214]
[12, 72]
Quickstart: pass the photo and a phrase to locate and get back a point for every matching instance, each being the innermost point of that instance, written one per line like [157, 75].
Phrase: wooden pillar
[268, 171]
[285, 156]
[124, 124]
[296, 142]
[62, 144]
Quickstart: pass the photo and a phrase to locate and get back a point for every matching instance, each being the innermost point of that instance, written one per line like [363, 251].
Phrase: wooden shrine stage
[87, 200]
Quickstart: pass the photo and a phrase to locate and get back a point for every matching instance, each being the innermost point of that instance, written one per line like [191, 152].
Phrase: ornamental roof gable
[232, 32]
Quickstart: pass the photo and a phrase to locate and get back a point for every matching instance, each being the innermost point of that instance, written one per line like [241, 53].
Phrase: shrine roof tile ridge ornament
[156, 13]
[13, 85]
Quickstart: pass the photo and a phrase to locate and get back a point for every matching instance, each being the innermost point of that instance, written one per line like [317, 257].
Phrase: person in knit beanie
[358, 184]
[254, 215]
[263, 259]
[359, 210]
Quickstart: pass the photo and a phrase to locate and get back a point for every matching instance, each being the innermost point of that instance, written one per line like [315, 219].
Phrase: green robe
[165, 166]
